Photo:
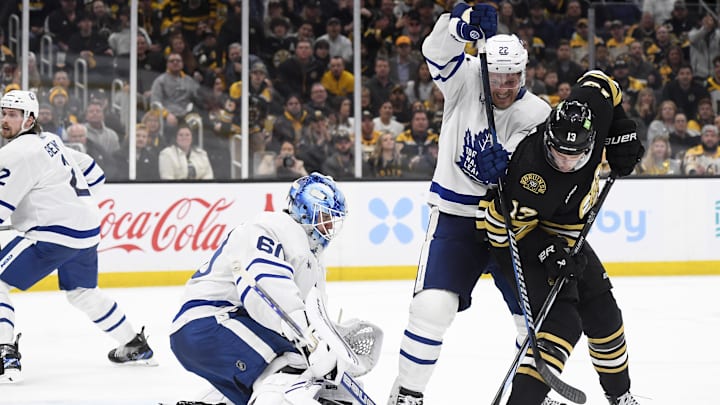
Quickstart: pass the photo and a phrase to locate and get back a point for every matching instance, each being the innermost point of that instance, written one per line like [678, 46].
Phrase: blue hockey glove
[492, 163]
[468, 24]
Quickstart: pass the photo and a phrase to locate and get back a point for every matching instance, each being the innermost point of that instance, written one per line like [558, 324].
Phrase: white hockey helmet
[26, 101]
[506, 54]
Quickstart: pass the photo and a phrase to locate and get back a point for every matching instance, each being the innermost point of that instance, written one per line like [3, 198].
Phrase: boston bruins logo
[533, 183]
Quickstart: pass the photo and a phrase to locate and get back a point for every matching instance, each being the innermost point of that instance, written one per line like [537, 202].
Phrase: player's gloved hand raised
[622, 146]
[469, 24]
[558, 262]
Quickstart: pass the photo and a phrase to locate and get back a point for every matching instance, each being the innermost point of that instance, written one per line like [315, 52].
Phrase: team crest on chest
[533, 183]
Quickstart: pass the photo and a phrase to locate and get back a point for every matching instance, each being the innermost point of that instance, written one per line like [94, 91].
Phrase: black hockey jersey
[543, 196]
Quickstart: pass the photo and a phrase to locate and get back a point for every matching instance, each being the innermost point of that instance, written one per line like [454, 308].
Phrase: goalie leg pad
[431, 314]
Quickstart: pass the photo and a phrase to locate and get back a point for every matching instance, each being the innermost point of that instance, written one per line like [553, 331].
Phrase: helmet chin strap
[25, 119]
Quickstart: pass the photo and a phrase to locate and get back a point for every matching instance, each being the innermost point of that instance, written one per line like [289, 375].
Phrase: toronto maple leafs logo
[472, 145]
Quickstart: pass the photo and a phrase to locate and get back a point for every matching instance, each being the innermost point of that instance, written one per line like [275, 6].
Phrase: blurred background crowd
[664, 54]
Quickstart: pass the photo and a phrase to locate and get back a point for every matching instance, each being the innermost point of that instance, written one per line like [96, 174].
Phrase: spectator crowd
[664, 54]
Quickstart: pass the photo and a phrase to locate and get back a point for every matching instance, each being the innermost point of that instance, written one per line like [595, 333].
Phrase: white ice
[671, 324]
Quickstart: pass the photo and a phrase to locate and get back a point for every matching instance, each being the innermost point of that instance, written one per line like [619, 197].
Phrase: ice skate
[10, 362]
[550, 401]
[402, 396]
[624, 399]
[135, 352]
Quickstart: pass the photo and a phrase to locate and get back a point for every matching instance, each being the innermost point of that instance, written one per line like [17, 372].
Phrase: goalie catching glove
[467, 24]
[623, 148]
[558, 262]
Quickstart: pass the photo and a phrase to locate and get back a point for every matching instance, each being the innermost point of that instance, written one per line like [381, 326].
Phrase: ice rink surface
[671, 325]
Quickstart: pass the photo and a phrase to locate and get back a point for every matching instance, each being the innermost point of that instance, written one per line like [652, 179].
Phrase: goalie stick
[550, 378]
[347, 381]
[552, 295]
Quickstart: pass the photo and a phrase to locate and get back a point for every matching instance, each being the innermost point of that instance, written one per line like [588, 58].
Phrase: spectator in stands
[224, 123]
[704, 46]
[365, 98]
[567, 69]
[579, 41]
[436, 103]
[551, 82]
[680, 22]
[311, 13]
[207, 53]
[61, 78]
[541, 26]
[705, 116]
[178, 45]
[315, 143]
[289, 126]
[532, 84]
[664, 122]
[712, 84]
[685, 92]
[340, 45]
[150, 64]
[508, 22]
[659, 9]
[657, 51]
[341, 162]
[119, 40]
[77, 135]
[385, 121]
[97, 131]
[380, 84]
[297, 74]
[423, 166]
[704, 159]
[182, 160]
[319, 100]
[342, 117]
[658, 160]
[401, 107]
[62, 23]
[368, 135]
[672, 63]
[321, 53]
[680, 138]
[47, 122]
[231, 32]
[385, 161]
[629, 85]
[287, 165]
[414, 140]
[644, 30]
[174, 91]
[645, 107]
[63, 116]
[619, 43]
[86, 43]
[338, 81]
[419, 88]
[305, 31]
[233, 65]
[278, 42]
[146, 158]
[102, 20]
[153, 124]
[640, 68]
[186, 15]
[402, 65]
[111, 114]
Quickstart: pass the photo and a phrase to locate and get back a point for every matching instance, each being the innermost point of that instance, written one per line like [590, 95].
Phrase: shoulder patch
[534, 183]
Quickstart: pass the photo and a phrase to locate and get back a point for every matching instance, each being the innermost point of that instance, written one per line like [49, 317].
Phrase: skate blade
[151, 362]
[11, 377]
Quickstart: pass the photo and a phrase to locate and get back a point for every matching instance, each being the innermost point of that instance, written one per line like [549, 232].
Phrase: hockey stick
[347, 381]
[552, 295]
[550, 378]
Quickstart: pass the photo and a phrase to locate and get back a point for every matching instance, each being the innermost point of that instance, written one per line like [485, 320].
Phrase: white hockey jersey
[464, 124]
[275, 250]
[44, 192]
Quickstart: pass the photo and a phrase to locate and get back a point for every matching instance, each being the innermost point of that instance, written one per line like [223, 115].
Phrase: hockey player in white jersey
[451, 260]
[45, 195]
[227, 334]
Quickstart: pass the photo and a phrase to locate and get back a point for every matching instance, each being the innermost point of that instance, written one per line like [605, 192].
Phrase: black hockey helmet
[569, 130]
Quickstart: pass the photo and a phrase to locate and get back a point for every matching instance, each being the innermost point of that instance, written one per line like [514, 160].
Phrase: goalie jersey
[544, 197]
[275, 250]
[464, 128]
[44, 192]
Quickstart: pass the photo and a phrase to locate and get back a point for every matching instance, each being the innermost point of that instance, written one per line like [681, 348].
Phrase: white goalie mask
[506, 55]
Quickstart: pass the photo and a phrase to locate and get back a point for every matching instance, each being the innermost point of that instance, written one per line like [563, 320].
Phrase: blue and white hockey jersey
[275, 250]
[464, 124]
[44, 191]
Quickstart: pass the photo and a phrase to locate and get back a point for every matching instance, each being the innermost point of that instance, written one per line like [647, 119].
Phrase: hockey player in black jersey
[551, 183]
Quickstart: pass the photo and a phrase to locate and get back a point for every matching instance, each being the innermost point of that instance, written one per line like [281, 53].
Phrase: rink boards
[157, 234]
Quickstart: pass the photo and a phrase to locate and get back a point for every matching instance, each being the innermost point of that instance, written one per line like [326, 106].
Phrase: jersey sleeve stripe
[96, 182]
[89, 169]
[7, 205]
[199, 303]
[63, 230]
[455, 62]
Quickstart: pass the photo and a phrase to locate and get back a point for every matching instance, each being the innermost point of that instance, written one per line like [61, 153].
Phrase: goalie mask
[316, 203]
[569, 136]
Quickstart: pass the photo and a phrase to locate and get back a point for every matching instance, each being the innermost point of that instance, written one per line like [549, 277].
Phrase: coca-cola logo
[187, 223]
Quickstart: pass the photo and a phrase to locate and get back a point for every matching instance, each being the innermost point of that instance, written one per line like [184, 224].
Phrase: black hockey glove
[623, 148]
[558, 262]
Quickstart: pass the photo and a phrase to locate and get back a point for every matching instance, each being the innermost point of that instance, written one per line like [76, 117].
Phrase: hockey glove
[623, 148]
[492, 163]
[558, 262]
[468, 24]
